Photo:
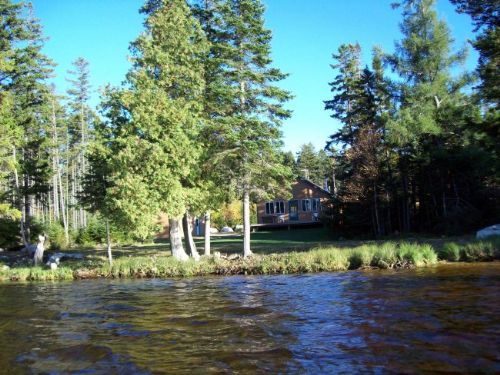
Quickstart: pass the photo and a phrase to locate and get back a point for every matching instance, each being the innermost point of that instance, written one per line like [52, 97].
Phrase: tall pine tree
[245, 104]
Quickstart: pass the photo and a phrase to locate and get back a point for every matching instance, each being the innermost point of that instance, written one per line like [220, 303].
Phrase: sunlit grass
[474, 251]
[388, 255]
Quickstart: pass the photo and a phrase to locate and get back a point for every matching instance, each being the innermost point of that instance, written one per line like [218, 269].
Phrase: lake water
[444, 318]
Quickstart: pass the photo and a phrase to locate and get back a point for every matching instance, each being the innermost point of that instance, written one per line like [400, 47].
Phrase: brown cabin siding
[301, 190]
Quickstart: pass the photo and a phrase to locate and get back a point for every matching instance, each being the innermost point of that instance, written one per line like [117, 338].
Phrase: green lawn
[276, 241]
[266, 242]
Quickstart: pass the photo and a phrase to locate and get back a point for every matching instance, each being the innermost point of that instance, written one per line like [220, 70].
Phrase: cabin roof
[305, 180]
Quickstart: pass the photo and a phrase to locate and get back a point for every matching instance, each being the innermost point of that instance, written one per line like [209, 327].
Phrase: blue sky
[305, 34]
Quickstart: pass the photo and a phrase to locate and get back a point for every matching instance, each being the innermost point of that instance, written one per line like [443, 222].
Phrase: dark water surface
[439, 319]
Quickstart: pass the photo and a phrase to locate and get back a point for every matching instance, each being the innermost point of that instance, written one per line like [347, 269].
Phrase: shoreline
[388, 255]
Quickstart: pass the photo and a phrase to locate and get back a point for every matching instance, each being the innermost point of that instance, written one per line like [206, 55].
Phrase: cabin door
[293, 210]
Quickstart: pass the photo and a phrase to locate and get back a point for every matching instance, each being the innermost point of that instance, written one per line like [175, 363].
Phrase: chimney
[325, 184]
[306, 173]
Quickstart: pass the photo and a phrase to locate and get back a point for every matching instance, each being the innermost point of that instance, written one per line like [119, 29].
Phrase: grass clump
[481, 250]
[451, 251]
[36, 274]
[475, 251]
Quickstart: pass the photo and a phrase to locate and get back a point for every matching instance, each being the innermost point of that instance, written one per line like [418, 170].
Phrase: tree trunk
[63, 209]
[246, 224]
[27, 209]
[108, 242]
[207, 233]
[55, 163]
[73, 195]
[375, 210]
[176, 240]
[38, 258]
[405, 205]
[188, 237]
[19, 200]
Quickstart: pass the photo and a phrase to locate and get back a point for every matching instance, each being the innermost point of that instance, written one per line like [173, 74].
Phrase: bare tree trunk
[63, 209]
[375, 209]
[108, 242]
[207, 233]
[176, 240]
[19, 200]
[27, 209]
[73, 195]
[38, 258]
[405, 205]
[67, 201]
[246, 224]
[188, 237]
[55, 163]
[83, 166]
[51, 210]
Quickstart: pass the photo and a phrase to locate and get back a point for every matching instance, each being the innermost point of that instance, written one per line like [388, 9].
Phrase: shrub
[450, 252]
[9, 233]
[55, 234]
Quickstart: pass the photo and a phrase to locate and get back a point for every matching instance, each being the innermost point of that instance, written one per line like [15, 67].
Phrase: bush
[55, 234]
[94, 233]
[9, 233]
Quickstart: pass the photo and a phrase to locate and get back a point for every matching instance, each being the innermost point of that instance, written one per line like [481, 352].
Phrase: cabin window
[316, 204]
[306, 205]
[279, 207]
[275, 208]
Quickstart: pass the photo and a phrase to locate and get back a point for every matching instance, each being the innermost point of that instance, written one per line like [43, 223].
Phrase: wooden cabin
[305, 206]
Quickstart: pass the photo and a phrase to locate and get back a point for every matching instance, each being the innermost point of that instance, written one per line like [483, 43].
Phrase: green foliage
[56, 237]
[230, 214]
[486, 18]
[9, 232]
[450, 252]
[475, 251]
[36, 274]
[244, 104]
[149, 140]
[313, 165]
[418, 153]
[24, 71]
[95, 233]
[483, 250]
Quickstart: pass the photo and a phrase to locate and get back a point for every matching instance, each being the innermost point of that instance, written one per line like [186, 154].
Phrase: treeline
[43, 136]
[418, 146]
[196, 124]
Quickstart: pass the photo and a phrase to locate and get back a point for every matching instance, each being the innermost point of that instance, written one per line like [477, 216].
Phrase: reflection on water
[428, 320]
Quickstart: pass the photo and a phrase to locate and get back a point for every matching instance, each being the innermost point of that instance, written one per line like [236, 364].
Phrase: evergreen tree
[486, 17]
[290, 162]
[312, 165]
[24, 90]
[428, 97]
[79, 134]
[155, 121]
[356, 104]
[245, 105]
[346, 90]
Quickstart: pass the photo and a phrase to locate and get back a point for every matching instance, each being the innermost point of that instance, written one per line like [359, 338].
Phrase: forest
[197, 124]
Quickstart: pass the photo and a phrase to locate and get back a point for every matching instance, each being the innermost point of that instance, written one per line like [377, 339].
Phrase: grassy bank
[388, 255]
